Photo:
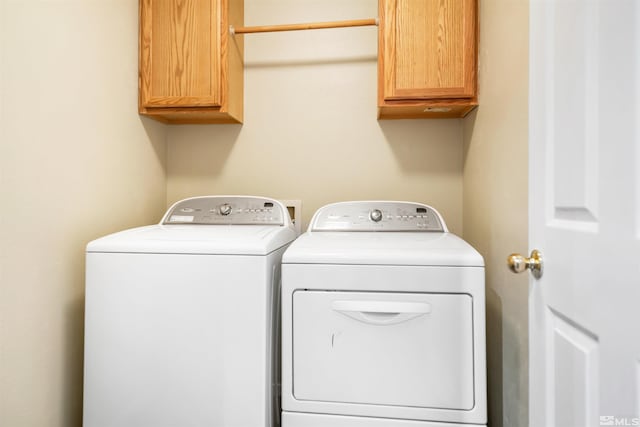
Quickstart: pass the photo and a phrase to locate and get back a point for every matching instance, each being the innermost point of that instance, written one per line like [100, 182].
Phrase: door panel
[574, 369]
[572, 70]
[584, 212]
[397, 349]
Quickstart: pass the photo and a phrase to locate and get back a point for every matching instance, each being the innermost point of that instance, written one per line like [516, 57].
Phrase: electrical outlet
[295, 211]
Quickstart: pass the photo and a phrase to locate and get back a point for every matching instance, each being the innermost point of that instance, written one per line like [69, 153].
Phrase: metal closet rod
[308, 26]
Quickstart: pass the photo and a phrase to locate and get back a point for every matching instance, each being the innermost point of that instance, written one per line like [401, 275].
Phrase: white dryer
[383, 321]
[181, 317]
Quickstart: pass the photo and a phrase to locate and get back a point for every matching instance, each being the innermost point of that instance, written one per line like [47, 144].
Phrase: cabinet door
[428, 48]
[180, 50]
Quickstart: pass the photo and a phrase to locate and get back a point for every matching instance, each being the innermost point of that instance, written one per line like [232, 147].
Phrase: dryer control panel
[377, 216]
[236, 210]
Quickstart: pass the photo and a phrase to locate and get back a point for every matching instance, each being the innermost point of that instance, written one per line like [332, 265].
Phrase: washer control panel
[377, 216]
[238, 210]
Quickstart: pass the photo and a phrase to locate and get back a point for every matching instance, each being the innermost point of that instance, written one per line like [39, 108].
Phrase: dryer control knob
[375, 215]
[225, 209]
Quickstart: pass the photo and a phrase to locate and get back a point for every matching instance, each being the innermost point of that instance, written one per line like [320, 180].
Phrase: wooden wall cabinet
[427, 58]
[191, 68]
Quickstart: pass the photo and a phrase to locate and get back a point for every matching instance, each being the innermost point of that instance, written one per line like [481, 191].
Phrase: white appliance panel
[382, 321]
[389, 280]
[397, 349]
[299, 419]
[181, 317]
[177, 339]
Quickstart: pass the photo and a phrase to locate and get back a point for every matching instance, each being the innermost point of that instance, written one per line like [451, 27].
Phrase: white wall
[495, 200]
[76, 162]
[310, 130]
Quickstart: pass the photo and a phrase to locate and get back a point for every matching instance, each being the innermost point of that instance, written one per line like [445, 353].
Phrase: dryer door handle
[381, 312]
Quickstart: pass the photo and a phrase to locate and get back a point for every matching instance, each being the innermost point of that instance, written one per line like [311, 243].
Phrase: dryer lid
[394, 248]
[381, 233]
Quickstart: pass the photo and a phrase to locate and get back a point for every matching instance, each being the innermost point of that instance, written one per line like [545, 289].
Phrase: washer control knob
[375, 215]
[225, 209]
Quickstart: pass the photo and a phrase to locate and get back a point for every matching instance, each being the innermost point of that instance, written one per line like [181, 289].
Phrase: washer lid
[220, 225]
[196, 239]
[390, 248]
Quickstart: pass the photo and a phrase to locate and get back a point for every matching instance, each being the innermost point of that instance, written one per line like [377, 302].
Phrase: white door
[584, 311]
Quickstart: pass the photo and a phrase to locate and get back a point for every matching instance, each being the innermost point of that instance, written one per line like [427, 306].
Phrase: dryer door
[396, 349]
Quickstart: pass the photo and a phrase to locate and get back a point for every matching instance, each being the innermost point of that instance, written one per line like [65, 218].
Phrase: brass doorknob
[517, 263]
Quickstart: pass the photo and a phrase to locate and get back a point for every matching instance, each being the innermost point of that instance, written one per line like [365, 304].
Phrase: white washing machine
[181, 317]
[383, 321]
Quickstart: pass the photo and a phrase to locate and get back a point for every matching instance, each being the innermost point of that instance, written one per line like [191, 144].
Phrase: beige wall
[495, 199]
[310, 130]
[76, 162]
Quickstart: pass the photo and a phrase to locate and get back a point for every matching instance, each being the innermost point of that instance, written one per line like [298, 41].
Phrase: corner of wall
[495, 205]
